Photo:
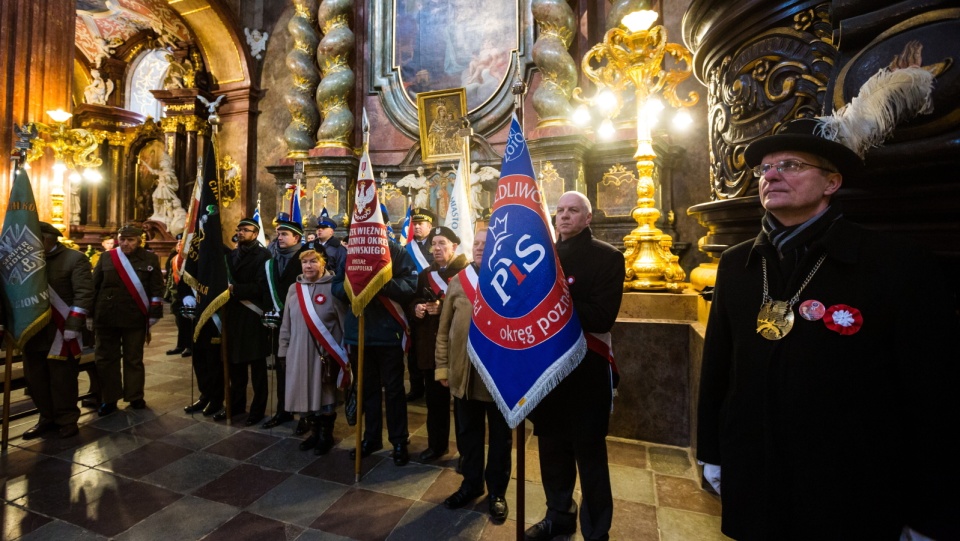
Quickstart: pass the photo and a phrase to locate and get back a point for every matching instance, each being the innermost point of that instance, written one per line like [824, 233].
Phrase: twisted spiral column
[301, 61]
[338, 79]
[556, 24]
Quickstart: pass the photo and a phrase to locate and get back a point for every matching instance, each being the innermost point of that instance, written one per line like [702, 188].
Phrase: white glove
[153, 321]
[711, 473]
[69, 335]
[909, 534]
[89, 324]
[190, 301]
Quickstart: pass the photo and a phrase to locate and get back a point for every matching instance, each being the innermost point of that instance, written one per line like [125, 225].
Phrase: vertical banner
[22, 263]
[368, 265]
[524, 335]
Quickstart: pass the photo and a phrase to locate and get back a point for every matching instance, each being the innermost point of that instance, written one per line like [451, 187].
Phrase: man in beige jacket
[473, 404]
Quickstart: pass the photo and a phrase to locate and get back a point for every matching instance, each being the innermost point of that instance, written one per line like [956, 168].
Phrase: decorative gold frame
[438, 131]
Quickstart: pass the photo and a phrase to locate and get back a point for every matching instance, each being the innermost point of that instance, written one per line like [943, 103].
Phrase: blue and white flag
[406, 230]
[524, 335]
[261, 236]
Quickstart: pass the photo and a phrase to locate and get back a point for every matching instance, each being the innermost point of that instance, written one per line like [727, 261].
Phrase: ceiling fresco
[104, 25]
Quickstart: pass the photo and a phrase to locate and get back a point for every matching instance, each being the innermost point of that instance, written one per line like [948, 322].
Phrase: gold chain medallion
[775, 319]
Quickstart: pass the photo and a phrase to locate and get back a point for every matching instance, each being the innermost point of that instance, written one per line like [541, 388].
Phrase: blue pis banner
[524, 334]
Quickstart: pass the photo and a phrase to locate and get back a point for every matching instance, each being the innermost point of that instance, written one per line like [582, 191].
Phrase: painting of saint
[440, 44]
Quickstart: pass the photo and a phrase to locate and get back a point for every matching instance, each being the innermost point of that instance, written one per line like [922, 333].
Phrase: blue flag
[524, 335]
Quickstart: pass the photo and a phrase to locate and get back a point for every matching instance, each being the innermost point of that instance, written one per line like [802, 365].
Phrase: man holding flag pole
[378, 280]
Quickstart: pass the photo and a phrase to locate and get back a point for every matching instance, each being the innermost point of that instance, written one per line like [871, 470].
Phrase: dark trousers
[53, 387]
[238, 387]
[208, 366]
[184, 332]
[438, 413]
[281, 373]
[416, 375]
[114, 344]
[383, 369]
[560, 459]
[472, 415]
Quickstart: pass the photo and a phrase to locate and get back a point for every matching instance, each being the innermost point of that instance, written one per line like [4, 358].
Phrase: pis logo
[510, 258]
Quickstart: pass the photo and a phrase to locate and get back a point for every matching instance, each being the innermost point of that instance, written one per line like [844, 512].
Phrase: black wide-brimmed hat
[805, 135]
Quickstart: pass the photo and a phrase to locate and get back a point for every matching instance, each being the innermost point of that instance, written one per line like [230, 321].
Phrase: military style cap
[421, 214]
[129, 230]
[290, 226]
[325, 221]
[443, 232]
[47, 229]
[249, 221]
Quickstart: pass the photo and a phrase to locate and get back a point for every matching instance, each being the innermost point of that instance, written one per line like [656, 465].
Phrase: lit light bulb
[606, 129]
[59, 167]
[581, 115]
[92, 175]
[639, 21]
[606, 101]
[59, 115]
[74, 177]
[682, 120]
[652, 109]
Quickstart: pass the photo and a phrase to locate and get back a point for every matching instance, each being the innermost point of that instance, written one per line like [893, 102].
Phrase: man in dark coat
[421, 221]
[572, 421]
[424, 315]
[247, 341]
[52, 356]
[207, 363]
[128, 286]
[282, 273]
[827, 361]
[384, 336]
[172, 294]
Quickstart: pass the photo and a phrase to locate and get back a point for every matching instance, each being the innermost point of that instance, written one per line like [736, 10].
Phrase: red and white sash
[601, 344]
[130, 279]
[396, 311]
[469, 279]
[437, 284]
[322, 335]
[63, 349]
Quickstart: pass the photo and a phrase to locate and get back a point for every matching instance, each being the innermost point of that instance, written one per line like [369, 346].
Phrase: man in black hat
[52, 356]
[826, 362]
[247, 343]
[328, 244]
[421, 221]
[424, 315]
[128, 286]
[282, 273]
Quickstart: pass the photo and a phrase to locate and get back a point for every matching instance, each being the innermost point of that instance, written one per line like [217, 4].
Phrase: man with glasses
[247, 345]
[828, 366]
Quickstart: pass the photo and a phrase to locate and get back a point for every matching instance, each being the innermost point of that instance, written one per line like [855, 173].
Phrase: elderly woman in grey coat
[311, 341]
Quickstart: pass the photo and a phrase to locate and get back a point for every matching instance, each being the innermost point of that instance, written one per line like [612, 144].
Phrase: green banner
[22, 264]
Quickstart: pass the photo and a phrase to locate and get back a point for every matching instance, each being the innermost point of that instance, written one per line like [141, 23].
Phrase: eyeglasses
[242, 230]
[787, 168]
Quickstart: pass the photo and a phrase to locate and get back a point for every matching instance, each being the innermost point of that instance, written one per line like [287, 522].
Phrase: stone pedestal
[340, 171]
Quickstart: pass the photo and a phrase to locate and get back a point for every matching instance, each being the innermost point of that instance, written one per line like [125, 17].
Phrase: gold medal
[775, 319]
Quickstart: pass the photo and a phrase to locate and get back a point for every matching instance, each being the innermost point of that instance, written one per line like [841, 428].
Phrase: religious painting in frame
[440, 114]
[430, 45]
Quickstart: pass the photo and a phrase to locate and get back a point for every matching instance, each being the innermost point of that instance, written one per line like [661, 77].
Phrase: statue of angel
[479, 176]
[98, 91]
[419, 183]
[166, 203]
[180, 74]
[257, 41]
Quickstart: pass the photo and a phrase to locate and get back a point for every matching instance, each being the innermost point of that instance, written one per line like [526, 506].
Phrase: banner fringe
[359, 302]
[211, 309]
[33, 329]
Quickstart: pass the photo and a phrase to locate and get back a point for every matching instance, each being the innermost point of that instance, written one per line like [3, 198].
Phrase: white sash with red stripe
[62, 349]
[130, 279]
[322, 335]
[396, 311]
[437, 284]
[469, 279]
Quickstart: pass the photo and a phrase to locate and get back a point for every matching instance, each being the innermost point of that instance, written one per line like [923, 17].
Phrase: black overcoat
[247, 338]
[822, 435]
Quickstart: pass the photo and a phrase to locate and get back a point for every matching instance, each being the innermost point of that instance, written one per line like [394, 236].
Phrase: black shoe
[547, 529]
[91, 403]
[138, 404]
[199, 405]
[38, 430]
[460, 465]
[400, 454]
[498, 509]
[429, 454]
[414, 395]
[212, 409]
[460, 498]
[253, 419]
[175, 351]
[278, 419]
[69, 431]
[220, 415]
[187, 353]
[302, 427]
[366, 449]
[107, 408]
[325, 432]
[314, 436]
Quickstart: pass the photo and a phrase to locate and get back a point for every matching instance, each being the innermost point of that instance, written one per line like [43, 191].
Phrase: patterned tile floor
[159, 473]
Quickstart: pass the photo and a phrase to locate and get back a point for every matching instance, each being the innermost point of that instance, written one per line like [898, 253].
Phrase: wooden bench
[25, 407]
